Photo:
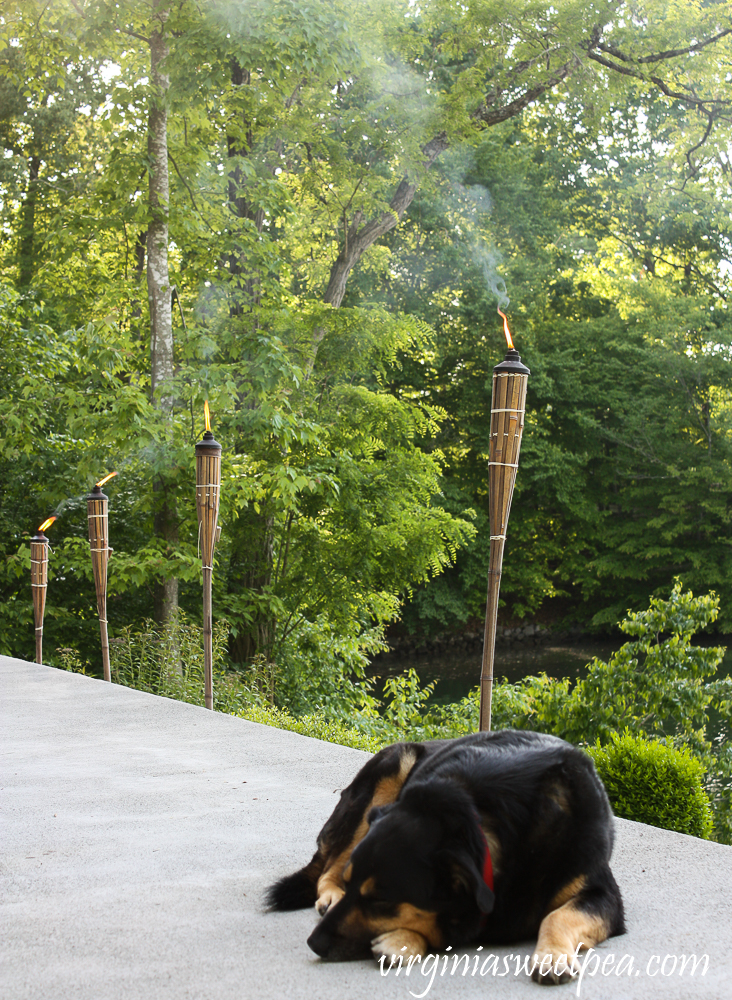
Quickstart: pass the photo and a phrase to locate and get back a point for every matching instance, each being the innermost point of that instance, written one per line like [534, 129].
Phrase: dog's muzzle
[329, 945]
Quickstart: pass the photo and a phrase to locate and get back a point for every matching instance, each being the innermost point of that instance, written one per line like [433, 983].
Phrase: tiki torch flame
[506, 331]
[106, 479]
[207, 415]
[47, 523]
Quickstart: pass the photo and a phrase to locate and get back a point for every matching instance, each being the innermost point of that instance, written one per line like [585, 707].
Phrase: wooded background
[302, 211]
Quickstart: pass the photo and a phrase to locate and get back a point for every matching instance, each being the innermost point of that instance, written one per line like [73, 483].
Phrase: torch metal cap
[207, 444]
[511, 364]
[97, 494]
[39, 537]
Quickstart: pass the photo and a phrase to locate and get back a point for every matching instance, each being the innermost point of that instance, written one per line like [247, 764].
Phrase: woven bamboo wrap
[97, 513]
[39, 584]
[208, 484]
[508, 404]
[507, 425]
[97, 508]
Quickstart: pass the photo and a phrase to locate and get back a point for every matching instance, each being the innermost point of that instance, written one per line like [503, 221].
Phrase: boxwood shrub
[651, 782]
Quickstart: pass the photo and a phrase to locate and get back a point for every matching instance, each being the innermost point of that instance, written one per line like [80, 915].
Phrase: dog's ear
[463, 872]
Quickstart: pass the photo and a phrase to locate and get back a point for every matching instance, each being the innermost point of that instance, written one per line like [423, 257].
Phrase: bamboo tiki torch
[39, 582]
[508, 402]
[208, 483]
[97, 507]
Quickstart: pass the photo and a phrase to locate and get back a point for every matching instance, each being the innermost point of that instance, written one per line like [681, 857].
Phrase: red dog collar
[487, 864]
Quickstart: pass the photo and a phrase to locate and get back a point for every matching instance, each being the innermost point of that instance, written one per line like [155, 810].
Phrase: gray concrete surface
[138, 835]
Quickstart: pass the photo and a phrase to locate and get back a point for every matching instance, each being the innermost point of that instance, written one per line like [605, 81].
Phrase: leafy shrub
[168, 660]
[651, 782]
[323, 669]
[316, 725]
[658, 684]
[71, 660]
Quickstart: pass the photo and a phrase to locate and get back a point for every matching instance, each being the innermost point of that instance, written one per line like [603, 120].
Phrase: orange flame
[207, 415]
[106, 479]
[47, 523]
[506, 330]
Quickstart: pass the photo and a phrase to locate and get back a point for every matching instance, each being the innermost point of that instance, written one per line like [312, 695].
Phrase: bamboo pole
[97, 506]
[39, 585]
[208, 485]
[508, 403]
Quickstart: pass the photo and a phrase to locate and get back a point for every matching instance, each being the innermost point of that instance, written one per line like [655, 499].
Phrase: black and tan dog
[495, 837]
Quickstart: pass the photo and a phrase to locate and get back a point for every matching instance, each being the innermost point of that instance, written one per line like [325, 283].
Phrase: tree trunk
[357, 240]
[158, 292]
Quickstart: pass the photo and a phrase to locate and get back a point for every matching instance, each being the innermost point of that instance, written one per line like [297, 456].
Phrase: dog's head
[418, 869]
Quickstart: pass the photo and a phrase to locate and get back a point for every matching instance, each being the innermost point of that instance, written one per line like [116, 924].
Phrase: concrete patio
[138, 835]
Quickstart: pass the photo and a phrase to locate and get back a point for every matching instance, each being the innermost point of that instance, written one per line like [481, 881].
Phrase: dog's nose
[319, 942]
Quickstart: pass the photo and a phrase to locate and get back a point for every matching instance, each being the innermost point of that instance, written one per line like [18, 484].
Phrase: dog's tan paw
[398, 944]
[327, 899]
[552, 970]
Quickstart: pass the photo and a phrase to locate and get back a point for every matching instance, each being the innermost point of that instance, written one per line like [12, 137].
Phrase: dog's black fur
[398, 869]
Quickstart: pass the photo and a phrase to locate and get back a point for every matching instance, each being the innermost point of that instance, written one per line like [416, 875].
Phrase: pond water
[456, 672]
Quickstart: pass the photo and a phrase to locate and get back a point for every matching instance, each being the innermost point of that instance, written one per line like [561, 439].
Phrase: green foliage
[657, 684]
[355, 438]
[316, 725]
[719, 787]
[328, 499]
[167, 660]
[651, 782]
[323, 670]
[624, 479]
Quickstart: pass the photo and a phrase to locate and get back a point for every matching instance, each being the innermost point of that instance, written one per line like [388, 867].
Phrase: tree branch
[694, 170]
[134, 34]
[697, 102]
[489, 118]
[188, 189]
[668, 54]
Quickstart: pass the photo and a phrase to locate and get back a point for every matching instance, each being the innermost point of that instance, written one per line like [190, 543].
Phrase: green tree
[298, 141]
[624, 476]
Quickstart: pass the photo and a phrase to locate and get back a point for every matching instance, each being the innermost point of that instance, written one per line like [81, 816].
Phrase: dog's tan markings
[328, 895]
[368, 887]
[356, 925]
[388, 788]
[347, 872]
[397, 944]
[331, 882]
[562, 932]
[572, 888]
[422, 922]
[405, 919]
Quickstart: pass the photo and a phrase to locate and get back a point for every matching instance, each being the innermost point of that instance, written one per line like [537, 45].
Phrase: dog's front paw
[327, 899]
[551, 970]
[398, 944]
